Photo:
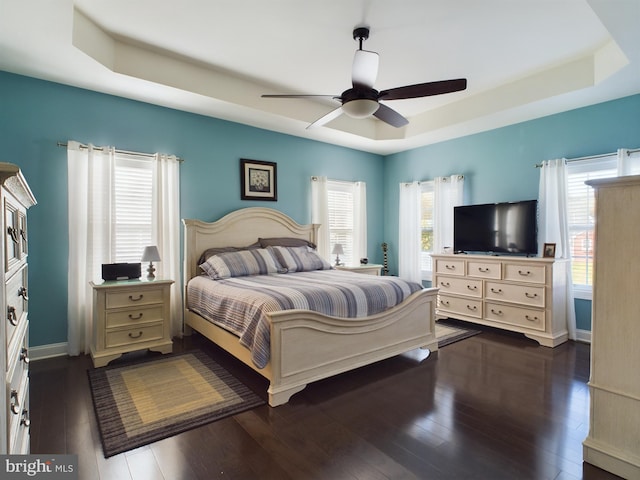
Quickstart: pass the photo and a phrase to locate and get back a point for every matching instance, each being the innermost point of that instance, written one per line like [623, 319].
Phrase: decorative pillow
[210, 252]
[257, 261]
[285, 242]
[299, 259]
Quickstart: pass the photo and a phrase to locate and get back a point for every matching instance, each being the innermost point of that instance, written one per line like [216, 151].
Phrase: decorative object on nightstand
[385, 257]
[151, 255]
[337, 251]
[364, 261]
[130, 315]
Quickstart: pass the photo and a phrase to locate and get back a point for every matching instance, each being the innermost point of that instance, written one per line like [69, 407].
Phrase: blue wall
[35, 115]
[498, 166]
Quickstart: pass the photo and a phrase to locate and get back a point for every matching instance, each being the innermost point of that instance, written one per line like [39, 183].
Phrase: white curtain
[553, 226]
[166, 212]
[409, 232]
[359, 222]
[320, 214]
[448, 193]
[90, 173]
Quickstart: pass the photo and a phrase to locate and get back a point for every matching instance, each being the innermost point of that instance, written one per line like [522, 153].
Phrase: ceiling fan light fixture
[360, 107]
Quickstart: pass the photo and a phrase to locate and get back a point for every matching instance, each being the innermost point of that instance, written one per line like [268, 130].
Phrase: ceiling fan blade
[390, 116]
[333, 114]
[365, 69]
[287, 95]
[424, 89]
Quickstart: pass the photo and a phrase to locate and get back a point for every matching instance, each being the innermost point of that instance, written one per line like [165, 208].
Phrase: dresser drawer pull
[531, 295]
[450, 267]
[138, 317]
[483, 270]
[11, 315]
[26, 421]
[496, 290]
[445, 303]
[15, 406]
[524, 273]
[24, 355]
[23, 234]
[496, 312]
[13, 233]
[139, 297]
[473, 308]
[531, 319]
[22, 292]
[131, 335]
[473, 288]
[445, 284]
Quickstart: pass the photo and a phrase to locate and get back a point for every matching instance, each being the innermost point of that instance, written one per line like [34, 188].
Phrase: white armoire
[14, 335]
[613, 443]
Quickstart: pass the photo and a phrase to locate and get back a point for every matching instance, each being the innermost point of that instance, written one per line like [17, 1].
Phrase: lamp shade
[151, 254]
[337, 249]
[360, 107]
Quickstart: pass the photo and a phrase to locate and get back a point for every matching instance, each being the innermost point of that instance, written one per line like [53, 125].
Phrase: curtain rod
[126, 152]
[591, 157]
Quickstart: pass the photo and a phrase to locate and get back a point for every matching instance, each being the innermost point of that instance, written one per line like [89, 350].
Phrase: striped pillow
[258, 261]
[299, 259]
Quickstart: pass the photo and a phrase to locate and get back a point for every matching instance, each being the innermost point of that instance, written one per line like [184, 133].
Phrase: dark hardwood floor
[495, 406]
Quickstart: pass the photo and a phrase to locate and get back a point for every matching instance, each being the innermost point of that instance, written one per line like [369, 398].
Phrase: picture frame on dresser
[549, 250]
[258, 180]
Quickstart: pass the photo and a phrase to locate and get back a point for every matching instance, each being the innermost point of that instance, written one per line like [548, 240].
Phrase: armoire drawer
[16, 301]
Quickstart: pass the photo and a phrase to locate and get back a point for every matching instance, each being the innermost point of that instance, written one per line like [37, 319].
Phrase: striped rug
[141, 403]
[450, 331]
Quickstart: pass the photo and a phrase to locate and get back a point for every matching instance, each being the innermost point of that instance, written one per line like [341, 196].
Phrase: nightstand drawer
[130, 336]
[130, 298]
[134, 316]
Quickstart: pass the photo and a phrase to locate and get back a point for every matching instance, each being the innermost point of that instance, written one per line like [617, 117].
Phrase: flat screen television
[496, 228]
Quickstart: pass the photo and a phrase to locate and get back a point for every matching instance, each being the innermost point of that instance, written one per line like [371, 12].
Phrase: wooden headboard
[238, 229]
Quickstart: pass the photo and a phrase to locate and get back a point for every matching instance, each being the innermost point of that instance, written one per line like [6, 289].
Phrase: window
[132, 207]
[341, 199]
[581, 210]
[427, 197]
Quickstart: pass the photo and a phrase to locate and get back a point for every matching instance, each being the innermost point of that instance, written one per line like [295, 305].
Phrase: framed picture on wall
[549, 250]
[258, 180]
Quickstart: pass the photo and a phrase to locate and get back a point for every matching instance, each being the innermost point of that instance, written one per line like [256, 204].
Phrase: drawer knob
[483, 270]
[137, 317]
[473, 308]
[531, 295]
[24, 355]
[22, 292]
[15, 403]
[136, 299]
[472, 287]
[131, 335]
[496, 312]
[26, 421]
[12, 316]
[524, 273]
[496, 290]
[450, 267]
[531, 319]
[444, 302]
[445, 284]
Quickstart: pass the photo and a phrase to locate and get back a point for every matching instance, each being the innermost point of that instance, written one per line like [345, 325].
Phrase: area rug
[448, 332]
[141, 403]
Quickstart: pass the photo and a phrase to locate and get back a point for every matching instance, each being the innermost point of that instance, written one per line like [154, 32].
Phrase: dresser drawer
[460, 286]
[492, 270]
[463, 306]
[16, 294]
[525, 273]
[134, 316]
[131, 336]
[131, 298]
[450, 266]
[519, 316]
[524, 294]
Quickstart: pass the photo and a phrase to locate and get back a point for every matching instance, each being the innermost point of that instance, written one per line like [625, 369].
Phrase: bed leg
[282, 396]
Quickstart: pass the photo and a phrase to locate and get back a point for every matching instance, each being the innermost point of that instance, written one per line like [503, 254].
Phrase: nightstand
[130, 315]
[368, 269]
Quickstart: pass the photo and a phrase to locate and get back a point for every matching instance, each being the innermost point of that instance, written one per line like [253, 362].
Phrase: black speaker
[120, 271]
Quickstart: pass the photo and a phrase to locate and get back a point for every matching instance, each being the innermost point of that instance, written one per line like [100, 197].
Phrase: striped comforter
[241, 304]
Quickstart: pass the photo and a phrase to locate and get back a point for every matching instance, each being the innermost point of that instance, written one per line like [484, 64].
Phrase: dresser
[519, 294]
[613, 443]
[130, 315]
[14, 421]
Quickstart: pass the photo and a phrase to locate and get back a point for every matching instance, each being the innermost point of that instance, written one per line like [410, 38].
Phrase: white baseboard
[583, 336]
[48, 351]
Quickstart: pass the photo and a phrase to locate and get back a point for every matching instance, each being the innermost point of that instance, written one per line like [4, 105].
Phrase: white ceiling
[522, 58]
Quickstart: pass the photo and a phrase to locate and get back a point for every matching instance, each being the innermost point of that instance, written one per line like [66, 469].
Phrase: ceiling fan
[362, 100]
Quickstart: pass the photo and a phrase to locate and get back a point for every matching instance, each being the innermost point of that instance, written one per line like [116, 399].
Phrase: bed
[305, 346]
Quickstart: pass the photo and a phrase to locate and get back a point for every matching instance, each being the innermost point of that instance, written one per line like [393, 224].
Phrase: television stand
[519, 294]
